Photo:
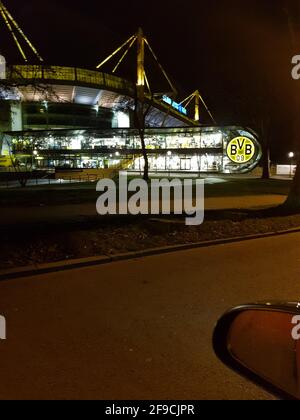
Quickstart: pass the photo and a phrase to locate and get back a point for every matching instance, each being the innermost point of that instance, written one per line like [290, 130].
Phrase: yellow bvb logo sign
[241, 150]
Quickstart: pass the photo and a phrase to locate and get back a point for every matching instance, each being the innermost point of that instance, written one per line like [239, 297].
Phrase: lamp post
[291, 157]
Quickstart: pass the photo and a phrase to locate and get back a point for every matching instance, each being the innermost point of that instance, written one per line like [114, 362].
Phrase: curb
[35, 270]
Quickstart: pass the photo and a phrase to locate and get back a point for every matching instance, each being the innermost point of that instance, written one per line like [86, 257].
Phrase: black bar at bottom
[148, 409]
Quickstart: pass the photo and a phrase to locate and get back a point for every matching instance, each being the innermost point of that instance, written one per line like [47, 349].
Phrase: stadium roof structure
[92, 87]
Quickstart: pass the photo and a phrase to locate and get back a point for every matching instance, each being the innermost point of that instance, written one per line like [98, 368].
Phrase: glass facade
[204, 149]
[73, 127]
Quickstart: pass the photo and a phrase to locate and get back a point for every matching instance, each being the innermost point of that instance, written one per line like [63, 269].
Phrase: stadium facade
[63, 117]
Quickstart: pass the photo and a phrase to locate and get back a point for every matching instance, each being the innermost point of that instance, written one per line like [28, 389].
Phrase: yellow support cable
[206, 107]
[131, 41]
[191, 97]
[147, 83]
[188, 100]
[20, 31]
[160, 66]
[12, 33]
[116, 52]
[124, 55]
[196, 95]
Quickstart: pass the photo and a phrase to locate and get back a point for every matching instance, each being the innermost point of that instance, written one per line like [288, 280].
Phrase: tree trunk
[266, 162]
[292, 10]
[266, 146]
[23, 182]
[145, 156]
[140, 121]
[293, 200]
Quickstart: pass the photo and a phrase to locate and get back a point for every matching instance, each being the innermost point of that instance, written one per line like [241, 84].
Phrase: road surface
[138, 329]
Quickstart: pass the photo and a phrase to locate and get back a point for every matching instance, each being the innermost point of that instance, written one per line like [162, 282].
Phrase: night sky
[238, 53]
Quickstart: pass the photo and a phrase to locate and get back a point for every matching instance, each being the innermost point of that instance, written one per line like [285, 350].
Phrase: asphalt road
[138, 329]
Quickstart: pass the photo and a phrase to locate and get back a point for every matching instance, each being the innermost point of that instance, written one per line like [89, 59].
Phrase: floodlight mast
[14, 28]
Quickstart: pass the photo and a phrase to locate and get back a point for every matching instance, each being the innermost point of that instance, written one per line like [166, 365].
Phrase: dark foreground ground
[86, 193]
[33, 241]
[138, 329]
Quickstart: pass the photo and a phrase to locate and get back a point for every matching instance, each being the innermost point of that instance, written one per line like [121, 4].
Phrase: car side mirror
[262, 343]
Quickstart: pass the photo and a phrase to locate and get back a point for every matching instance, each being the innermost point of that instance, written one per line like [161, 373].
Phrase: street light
[291, 157]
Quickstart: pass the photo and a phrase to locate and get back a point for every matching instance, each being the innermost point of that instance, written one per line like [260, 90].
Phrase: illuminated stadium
[74, 118]
[64, 97]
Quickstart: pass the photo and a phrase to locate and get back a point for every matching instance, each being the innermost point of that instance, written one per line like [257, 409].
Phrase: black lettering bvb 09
[233, 149]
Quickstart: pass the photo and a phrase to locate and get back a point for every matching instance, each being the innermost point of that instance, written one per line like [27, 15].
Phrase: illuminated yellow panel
[59, 73]
[6, 161]
[27, 72]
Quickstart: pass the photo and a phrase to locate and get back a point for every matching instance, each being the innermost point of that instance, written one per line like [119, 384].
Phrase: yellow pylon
[142, 79]
[198, 98]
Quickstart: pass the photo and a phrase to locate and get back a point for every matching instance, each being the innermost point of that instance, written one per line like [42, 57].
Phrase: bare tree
[292, 11]
[263, 129]
[10, 89]
[260, 118]
[140, 112]
[261, 122]
[23, 169]
[16, 81]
